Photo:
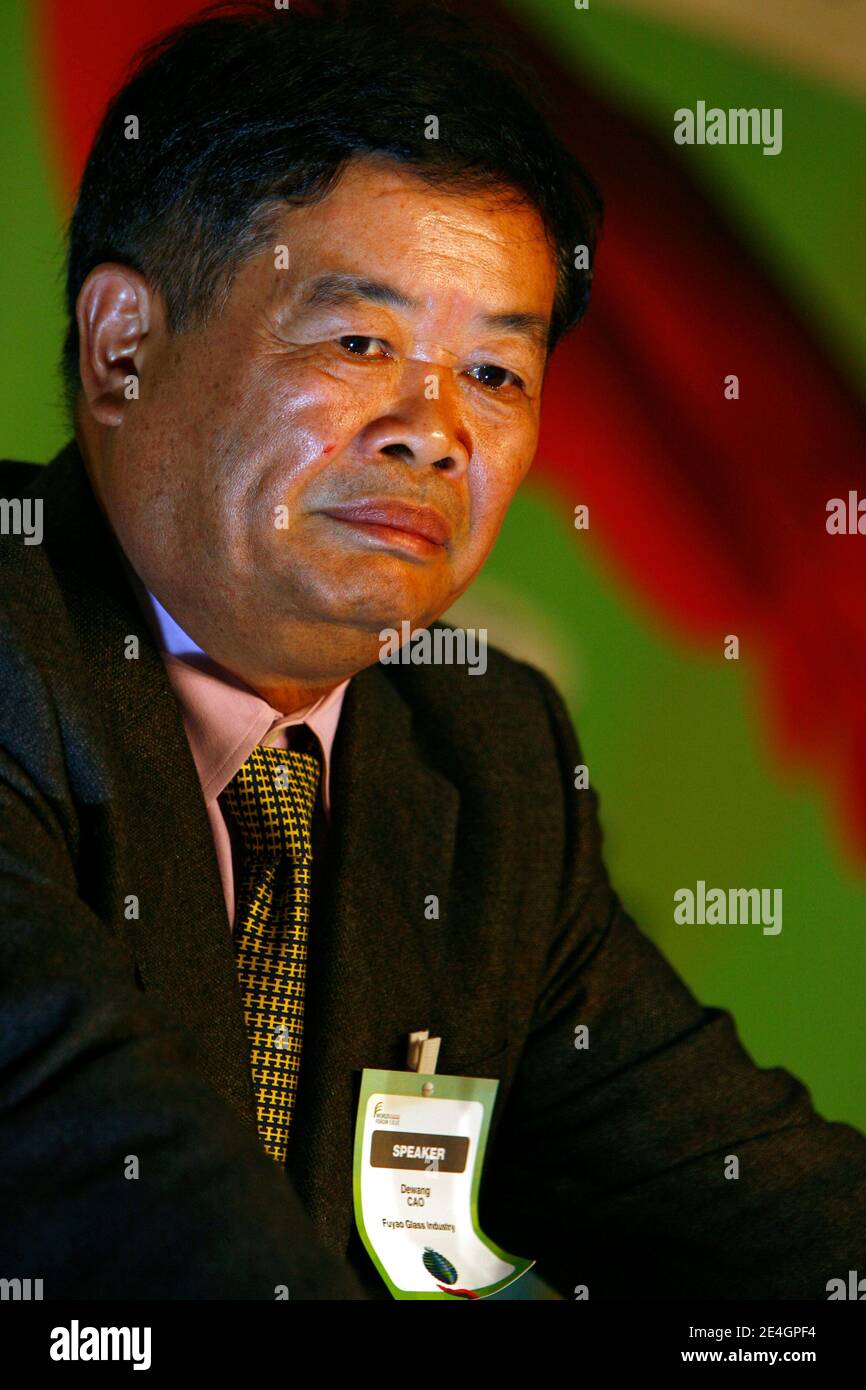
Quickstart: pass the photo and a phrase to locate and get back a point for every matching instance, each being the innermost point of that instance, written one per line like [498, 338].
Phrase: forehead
[460, 251]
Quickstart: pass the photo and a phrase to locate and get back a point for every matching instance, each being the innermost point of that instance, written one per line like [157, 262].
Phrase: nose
[423, 426]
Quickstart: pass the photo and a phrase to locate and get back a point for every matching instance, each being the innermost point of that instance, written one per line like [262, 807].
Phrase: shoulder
[21, 510]
[480, 699]
[42, 676]
[23, 557]
[33, 615]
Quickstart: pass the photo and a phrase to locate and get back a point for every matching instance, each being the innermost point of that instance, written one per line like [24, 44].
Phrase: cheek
[496, 473]
[318, 404]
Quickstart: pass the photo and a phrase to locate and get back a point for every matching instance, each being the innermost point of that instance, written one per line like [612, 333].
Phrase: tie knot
[271, 801]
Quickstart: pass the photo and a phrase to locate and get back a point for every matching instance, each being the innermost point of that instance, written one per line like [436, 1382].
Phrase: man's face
[235, 482]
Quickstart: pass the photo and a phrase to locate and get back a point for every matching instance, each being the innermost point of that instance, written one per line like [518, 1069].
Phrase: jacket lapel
[372, 974]
[160, 836]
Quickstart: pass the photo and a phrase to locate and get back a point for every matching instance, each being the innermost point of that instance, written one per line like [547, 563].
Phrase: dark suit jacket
[125, 1037]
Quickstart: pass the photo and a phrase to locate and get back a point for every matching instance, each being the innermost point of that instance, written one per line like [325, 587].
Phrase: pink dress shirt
[225, 719]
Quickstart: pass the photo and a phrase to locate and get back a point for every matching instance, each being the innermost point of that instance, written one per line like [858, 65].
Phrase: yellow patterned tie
[271, 801]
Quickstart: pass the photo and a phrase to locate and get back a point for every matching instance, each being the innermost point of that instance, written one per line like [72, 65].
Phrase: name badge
[419, 1150]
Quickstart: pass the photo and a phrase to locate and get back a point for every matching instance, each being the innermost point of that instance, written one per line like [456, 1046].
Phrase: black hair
[248, 108]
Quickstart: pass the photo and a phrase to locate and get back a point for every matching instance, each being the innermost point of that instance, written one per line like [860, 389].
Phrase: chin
[370, 622]
[372, 608]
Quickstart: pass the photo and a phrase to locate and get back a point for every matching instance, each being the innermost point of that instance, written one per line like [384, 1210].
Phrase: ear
[116, 310]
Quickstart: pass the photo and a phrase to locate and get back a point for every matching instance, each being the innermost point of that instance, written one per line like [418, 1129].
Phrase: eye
[495, 378]
[359, 346]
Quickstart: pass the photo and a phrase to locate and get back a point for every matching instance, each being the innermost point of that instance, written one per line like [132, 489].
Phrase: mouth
[419, 530]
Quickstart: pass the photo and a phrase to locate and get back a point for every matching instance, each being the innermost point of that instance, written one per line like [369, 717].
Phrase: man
[316, 268]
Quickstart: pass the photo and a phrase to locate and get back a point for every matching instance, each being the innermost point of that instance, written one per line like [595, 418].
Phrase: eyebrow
[332, 290]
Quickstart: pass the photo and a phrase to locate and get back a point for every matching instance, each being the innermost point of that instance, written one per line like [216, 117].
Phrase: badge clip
[422, 1052]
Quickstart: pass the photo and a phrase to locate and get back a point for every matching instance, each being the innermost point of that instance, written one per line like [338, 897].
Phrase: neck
[290, 696]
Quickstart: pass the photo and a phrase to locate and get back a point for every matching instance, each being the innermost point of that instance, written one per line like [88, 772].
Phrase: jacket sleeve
[612, 1164]
[122, 1174]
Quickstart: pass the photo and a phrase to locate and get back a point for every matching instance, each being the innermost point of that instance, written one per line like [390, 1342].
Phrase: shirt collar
[224, 717]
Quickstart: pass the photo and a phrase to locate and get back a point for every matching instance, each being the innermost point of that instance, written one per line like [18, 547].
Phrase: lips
[399, 516]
